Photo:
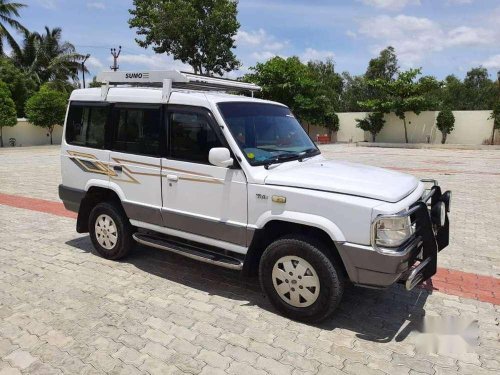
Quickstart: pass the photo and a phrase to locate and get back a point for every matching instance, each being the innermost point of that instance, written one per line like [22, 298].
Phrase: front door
[136, 162]
[201, 202]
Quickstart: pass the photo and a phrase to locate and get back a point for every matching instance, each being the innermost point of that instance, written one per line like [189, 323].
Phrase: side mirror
[220, 157]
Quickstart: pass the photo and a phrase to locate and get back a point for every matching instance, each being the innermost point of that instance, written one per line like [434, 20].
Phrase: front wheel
[300, 279]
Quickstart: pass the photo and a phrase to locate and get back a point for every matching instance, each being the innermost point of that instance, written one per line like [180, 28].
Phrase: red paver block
[34, 204]
[466, 285]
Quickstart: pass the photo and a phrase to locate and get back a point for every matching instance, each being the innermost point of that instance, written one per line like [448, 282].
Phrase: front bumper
[413, 262]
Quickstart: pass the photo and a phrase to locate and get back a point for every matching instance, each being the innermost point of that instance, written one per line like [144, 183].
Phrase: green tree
[495, 116]
[330, 81]
[8, 116]
[47, 108]
[331, 121]
[200, 33]
[94, 83]
[373, 123]
[385, 66]
[47, 58]
[20, 85]
[445, 122]
[452, 94]
[354, 91]
[405, 94]
[8, 13]
[291, 82]
[480, 90]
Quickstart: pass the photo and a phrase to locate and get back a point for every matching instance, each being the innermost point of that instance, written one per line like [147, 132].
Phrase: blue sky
[441, 36]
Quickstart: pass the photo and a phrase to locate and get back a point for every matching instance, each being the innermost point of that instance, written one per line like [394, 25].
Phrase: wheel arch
[277, 228]
[94, 195]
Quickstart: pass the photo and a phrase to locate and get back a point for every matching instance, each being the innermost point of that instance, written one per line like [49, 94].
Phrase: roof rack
[169, 79]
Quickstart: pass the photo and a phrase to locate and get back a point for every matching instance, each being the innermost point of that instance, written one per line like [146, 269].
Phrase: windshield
[266, 133]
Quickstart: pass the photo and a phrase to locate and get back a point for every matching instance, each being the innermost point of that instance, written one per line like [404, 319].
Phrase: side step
[189, 251]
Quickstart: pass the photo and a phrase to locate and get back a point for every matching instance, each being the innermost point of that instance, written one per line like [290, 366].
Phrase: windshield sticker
[251, 155]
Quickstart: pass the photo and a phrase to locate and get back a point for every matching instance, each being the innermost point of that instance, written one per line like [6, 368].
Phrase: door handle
[172, 177]
[118, 168]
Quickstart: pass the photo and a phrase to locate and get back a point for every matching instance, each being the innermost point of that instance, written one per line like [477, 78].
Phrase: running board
[189, 251]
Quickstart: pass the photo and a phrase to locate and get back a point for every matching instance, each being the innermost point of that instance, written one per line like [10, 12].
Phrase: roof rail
[169, 79]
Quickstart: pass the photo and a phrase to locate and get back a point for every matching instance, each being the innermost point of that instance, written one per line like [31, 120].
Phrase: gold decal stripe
[101, 168]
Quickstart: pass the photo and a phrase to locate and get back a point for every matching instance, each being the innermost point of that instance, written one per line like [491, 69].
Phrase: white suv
[236, 182]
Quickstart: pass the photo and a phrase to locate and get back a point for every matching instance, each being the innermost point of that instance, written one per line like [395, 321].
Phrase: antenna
[115, 55]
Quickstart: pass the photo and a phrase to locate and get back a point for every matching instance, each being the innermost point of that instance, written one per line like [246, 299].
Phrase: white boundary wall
[30, 135]
[471, 127]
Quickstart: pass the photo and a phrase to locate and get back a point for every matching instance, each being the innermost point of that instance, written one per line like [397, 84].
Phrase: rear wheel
[300, 279]
[110, 231]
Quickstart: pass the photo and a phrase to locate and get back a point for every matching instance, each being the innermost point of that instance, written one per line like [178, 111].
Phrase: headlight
[392, 231]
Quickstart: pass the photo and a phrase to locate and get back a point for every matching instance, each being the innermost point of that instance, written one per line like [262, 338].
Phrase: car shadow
[374, 315]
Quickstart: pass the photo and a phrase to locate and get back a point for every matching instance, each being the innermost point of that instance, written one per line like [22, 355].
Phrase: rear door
[84, 157]
[135, 160]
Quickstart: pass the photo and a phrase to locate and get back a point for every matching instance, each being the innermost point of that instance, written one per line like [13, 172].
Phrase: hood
[345, 178]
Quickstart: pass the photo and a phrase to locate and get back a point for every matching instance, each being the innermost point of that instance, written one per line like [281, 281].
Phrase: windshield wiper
[281, 158]
[310, 152]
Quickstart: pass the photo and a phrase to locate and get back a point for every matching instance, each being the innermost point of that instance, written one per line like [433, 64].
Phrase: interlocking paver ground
[64, 309]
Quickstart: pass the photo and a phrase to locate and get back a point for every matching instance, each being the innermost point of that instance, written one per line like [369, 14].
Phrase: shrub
[445, 122]
[373, 123]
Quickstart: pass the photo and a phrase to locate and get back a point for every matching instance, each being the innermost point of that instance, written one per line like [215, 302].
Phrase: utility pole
[83, 68]
[115, 55]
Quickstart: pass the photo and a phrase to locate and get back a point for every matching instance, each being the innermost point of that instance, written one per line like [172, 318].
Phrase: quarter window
[137, 131]
[191, 136]
[86, 126]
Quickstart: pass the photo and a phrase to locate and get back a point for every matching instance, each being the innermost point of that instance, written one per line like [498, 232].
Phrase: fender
[302, 218]
[106, 185]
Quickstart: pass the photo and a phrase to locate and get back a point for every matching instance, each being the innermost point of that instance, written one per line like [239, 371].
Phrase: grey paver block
[238, 368]
[214, 359]
[266, 350]
[20, 358]
[273, 367]
[240, 354]
[158, 336]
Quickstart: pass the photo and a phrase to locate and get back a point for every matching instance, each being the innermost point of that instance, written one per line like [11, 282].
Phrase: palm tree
[8, 11]
[46, 58]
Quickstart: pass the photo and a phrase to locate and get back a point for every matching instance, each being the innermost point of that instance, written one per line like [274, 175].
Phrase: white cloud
[93, 63]
[258, 46]
[460, 1]
[351, 34]
[492, 62]
[464, 35]
[392, 5]
[263, 56]
[259, 38]
[311, 54]
[49, 4]
[96, 5]
[415, 37]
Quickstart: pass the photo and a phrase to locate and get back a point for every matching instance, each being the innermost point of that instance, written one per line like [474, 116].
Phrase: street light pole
[83, 68]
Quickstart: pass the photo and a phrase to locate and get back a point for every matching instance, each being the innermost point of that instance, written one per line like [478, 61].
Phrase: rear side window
[137, 131]
[191, 137]
[86, 125]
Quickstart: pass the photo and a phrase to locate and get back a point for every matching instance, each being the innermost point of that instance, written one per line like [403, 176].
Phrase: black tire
[124, 230]
[329, 273]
